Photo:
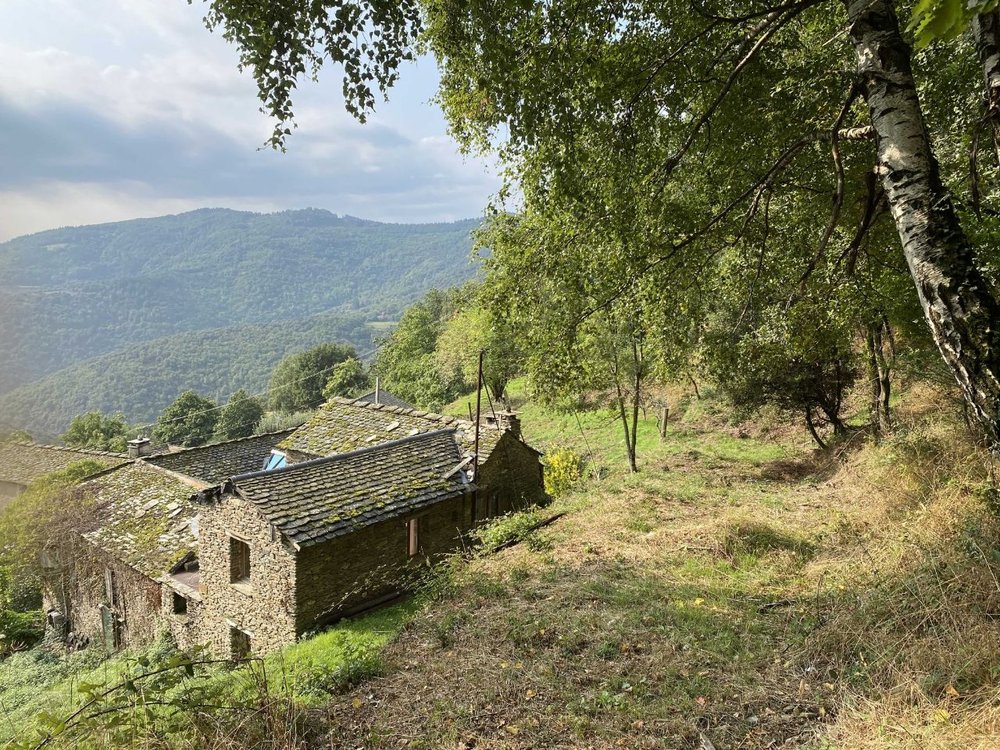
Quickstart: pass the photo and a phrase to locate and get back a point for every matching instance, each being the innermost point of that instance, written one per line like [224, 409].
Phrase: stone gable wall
[513, 474]
[266, 607]
[372, 563]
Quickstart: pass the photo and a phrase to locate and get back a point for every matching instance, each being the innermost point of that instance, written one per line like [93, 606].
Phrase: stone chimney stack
[139, 447]
[506, 421]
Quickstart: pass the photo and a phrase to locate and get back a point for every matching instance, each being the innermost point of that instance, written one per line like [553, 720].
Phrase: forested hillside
[141, 379]
[79, 293]
[83, 291]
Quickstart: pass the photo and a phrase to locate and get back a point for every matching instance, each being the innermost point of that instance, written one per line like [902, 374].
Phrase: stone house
[510, 473]
[136, 571]
[23, 463]
[109, 588]
[248, 544]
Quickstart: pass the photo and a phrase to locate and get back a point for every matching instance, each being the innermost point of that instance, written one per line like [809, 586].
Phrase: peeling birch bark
[960, 308]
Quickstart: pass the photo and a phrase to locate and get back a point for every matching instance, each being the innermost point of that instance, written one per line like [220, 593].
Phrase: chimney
[377, 388]
[505, 421]
[139, 447]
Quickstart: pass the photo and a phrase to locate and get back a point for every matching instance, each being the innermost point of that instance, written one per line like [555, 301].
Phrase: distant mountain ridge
[142, 379]
[68, 296]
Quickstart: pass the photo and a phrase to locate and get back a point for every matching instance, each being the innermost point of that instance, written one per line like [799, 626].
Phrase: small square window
[275, 461]
[239, 561]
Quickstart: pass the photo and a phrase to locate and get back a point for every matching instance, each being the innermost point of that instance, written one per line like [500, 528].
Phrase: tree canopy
[298, 380]
[406, 361]
[98, 431]
[190, 420]
[240, 416]
[348, 379]
[670, 138]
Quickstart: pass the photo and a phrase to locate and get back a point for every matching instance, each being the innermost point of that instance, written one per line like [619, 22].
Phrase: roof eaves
[349, 528]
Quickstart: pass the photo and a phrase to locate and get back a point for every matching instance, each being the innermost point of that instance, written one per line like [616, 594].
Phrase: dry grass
[742, 589]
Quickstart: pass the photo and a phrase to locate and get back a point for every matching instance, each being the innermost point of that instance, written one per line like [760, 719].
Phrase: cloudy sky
[115, 109]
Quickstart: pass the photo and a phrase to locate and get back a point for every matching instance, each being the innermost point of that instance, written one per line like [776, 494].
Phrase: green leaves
[97, 431]
[240, 417]
[348, 379]
[281, 42]
[190, 420]
[945, 19]
[406, 361]
[298, 380]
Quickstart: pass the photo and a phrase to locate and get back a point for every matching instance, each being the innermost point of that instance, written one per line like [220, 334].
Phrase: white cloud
[153, 116]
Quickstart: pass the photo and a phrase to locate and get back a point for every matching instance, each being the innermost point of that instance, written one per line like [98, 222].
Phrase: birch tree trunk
[961, 310]
[986, 28]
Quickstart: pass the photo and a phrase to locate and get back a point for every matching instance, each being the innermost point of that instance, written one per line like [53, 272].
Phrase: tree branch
[838, 197]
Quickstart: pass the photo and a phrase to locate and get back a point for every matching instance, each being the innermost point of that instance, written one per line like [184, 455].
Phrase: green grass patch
[38, 689]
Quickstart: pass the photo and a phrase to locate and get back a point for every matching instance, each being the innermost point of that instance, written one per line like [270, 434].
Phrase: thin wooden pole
[475, 456]
[479, 404]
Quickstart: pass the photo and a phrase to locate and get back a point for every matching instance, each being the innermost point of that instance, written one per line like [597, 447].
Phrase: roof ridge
[65, 448]
[341, 456]
[109, 470]
[191, 448]
[418, 413]
[187, 479]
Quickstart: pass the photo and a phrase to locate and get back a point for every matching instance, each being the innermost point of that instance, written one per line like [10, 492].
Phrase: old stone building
[245, 545]
[136, 572]
[144, 527]
[23, 463]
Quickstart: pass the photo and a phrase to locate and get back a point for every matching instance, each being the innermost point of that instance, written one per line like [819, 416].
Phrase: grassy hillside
[741, 591]
[68, 295]
[142, 379]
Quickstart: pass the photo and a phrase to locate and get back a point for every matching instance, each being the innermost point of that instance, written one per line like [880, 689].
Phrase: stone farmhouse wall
[263, 608]
[373, 563]
[510, 479]
[82, 592]
[185, 629]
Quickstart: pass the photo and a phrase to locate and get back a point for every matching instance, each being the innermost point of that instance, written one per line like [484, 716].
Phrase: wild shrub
[19, 630]
[563, 469]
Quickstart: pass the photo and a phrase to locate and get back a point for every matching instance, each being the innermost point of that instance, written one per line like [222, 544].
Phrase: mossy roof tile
[343, 425]
[318, 500]
[23, 463]
[140, 523]
[214, 463]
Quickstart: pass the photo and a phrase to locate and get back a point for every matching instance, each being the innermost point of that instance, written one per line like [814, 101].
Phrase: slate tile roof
[343, 425]
[384, 397]
[148, 520]
[318, 500]
[23, 463]
[214, 463]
